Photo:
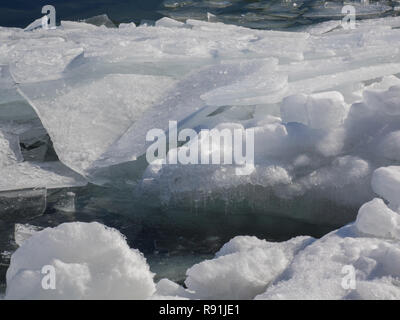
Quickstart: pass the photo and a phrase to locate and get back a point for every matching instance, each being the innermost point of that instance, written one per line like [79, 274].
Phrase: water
[264, 14]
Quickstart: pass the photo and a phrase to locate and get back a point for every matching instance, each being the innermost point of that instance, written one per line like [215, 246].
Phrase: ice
[169, 23]
[30, 175]
[22, 205]
[358, 261]
[10, 152]
[127, 25]
[263, 68]
[323, 104]
[23, 232]
[387, 102]
[90, 261]
[386, 183]
[183, 101]
[390, 146]
[376, 219]
[78, 117]
[243, 268]
[100, 20]
[318, 111]
[17, 175]
[168, 289]
[38, 23]
[369, 248]
[341, 143]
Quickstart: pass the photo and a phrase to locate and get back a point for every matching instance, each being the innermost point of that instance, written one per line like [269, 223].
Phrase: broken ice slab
[22, 205]
[51, 175]
[39, 59]
[37, 24]
[65, 202]
[84, 117]
[181, 103]
[10, 152]
[100, 20]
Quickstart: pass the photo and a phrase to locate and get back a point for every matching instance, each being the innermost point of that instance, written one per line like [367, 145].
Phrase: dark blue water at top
[262, 14]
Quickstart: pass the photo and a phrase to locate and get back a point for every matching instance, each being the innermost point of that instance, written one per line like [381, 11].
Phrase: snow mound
[90, 261]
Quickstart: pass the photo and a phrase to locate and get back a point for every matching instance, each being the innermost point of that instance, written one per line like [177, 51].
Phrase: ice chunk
[376, 219]
[390, 146]
[66, 202]
[127, 25]
[29, 175]
[17, 175]
[387, 101]
[90, 261]
[22, 205]
[78, 118]
[264, 82]
[46, 60]
[10, 152]
[169, 23]
[318, 111]
[100, 20]
[38, 23]
[386, 183]
[183, 103]
[168, 288]
[243, 268]
[23, 232]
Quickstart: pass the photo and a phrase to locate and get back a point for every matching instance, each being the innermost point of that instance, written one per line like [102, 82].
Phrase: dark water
[262, 14]
[19, 13]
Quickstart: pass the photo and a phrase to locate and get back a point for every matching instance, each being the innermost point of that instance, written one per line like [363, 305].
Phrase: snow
[90, 262]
